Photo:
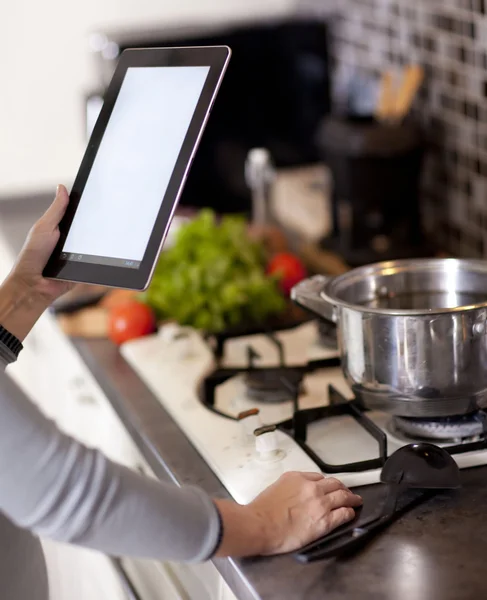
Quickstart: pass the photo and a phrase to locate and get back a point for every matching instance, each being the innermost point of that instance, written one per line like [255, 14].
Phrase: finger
[339, 517]
[330, 484]
[341, 498]
[310, 476]
[55, 212]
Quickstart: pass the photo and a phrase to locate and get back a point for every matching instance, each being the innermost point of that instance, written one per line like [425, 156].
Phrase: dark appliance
[376, 172]
[274, 95]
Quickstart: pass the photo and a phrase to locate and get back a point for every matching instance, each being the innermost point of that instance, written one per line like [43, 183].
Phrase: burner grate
[297, 428]
[282, 382]
[285, 380]
[267, 385]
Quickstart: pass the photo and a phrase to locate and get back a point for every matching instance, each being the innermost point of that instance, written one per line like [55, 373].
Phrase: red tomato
[130, 320]
[289, 268]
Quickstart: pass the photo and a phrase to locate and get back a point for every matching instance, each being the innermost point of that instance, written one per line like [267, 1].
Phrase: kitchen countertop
[437, 551]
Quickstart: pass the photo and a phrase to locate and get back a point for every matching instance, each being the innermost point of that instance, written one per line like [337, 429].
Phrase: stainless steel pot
[412, 333]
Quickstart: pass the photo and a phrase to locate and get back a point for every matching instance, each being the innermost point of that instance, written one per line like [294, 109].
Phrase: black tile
[465, 161]
[481, 220]
[403, 60]
[452, 51]
[424, 93]
[415, 39]
[445, 22]
[429, 43]
[446, 101]
[452, 78]
[410, 13]
[473, 110]
[429, 71]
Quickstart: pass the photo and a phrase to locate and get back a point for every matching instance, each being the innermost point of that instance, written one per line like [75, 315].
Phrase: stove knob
[267, 443]
[179, 339]
[249, 421]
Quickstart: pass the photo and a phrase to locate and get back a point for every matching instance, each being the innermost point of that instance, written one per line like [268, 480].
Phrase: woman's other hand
[296, 510]
[26, 294]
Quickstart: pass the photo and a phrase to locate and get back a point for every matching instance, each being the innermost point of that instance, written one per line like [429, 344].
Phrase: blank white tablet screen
[134, 163]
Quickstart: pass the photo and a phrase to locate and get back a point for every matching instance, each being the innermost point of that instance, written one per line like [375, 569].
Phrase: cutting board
[88, 323]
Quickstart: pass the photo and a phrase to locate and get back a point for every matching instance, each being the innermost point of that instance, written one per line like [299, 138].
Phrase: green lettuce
[213, 277]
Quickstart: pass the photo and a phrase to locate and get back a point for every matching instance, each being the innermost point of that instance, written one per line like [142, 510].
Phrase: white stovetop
[174, 370]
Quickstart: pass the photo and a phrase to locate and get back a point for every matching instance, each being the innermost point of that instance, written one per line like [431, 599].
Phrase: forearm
[244, 532]
[60, 489]
[20, 307]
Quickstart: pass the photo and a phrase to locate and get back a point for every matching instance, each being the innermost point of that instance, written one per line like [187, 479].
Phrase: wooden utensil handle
[412, 80]
[385, 105]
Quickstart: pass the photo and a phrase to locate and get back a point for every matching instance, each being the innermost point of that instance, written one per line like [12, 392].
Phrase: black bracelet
[220, 534]
[10, 341]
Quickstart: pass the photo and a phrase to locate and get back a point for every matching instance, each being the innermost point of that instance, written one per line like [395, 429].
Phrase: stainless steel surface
[412, 333]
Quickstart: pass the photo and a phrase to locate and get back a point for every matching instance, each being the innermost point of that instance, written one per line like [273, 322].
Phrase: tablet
[135, 166]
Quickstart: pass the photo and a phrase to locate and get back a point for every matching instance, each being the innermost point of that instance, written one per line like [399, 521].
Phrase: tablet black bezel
[216, 58]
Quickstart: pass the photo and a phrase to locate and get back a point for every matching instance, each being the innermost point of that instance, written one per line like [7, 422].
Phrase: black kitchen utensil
[416, 466]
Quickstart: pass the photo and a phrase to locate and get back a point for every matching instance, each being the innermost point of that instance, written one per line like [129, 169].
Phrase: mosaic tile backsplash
[449, 38]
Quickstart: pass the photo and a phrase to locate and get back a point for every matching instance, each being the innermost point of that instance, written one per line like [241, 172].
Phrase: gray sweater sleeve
[58, 488]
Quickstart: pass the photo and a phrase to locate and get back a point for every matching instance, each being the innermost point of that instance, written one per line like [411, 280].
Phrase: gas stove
[259, 405]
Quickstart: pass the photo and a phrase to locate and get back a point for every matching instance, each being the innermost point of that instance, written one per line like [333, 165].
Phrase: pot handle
[307, 295]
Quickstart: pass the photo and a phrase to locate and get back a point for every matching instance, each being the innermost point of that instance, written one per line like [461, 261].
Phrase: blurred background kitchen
[372, 115]
[295, 64]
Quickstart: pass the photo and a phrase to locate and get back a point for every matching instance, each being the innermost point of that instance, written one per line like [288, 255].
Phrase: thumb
[55, 212]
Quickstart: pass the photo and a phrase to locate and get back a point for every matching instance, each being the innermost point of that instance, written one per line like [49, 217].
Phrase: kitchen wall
[46, 69]
[448, 37]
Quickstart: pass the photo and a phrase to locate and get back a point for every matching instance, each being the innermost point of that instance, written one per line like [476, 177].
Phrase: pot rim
[397, 266]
